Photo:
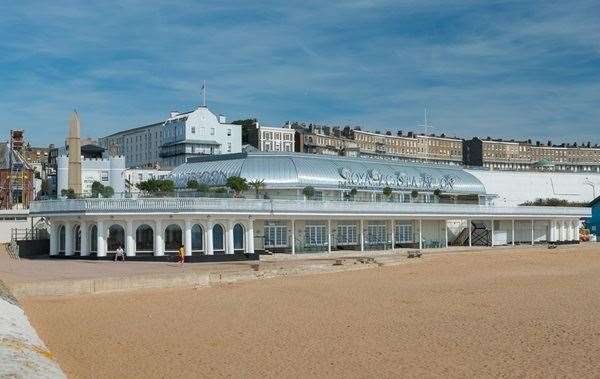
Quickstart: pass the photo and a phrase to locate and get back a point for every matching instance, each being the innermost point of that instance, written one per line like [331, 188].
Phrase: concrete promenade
[39, 277]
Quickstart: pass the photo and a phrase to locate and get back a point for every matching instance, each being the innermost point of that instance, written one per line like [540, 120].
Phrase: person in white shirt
[120, 253]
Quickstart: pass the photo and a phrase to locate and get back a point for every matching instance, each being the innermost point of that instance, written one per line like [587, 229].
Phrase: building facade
[140, 146]
[324, 142]
[170, 143]
[525, 156]
[154, 228]
[276, 139]
[108, 171]
[410, 147]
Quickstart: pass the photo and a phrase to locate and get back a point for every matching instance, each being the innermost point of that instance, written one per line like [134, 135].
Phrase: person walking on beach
[181, 255]
[119, 253]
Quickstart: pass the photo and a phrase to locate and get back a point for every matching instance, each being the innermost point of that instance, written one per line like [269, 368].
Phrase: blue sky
[500, 68]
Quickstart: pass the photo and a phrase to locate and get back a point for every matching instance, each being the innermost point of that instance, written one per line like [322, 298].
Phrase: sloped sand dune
[505, 313]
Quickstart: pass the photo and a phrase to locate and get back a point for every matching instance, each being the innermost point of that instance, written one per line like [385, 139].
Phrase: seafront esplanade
[425, 207]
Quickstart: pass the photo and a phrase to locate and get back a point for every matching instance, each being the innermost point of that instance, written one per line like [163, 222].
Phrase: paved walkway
[28, 277]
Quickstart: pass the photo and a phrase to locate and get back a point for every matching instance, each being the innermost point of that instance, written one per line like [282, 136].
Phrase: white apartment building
[276, 139]
[199, 132]
[170, 143]
[140, 146]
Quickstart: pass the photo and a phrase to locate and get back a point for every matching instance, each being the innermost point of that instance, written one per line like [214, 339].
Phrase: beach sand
[532, 313]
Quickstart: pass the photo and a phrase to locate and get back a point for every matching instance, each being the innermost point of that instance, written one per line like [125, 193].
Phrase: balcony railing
[291, 207]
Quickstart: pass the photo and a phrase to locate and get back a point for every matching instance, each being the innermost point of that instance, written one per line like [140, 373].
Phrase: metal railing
[273, 206]
[28, 234]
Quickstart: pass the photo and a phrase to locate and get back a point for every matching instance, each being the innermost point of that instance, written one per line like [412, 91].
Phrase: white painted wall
[514, 188]
[110, 169]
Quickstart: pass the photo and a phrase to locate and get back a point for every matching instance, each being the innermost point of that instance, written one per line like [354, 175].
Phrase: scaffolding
[16, 181]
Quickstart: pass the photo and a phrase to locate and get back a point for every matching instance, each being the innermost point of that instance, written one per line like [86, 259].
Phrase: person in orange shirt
[181, 255]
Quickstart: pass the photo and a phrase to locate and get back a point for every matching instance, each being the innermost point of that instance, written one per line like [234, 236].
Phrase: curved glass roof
[296, 170]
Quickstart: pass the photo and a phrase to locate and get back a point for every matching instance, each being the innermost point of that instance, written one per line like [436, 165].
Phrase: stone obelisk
[74, 142]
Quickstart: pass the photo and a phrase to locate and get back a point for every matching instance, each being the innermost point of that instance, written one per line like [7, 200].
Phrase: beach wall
[22, 352]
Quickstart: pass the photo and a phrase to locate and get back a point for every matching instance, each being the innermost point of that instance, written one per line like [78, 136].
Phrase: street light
[591, 184]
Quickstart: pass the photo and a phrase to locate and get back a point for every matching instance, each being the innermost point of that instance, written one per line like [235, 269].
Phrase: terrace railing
[278, 206]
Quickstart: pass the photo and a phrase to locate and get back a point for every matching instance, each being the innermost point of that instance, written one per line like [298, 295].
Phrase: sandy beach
[514, 313]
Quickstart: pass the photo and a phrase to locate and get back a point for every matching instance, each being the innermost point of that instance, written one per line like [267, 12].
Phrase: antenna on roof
[426, 125]
[204, 93]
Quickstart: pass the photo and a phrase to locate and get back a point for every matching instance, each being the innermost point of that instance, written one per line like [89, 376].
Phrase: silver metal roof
[295, 170]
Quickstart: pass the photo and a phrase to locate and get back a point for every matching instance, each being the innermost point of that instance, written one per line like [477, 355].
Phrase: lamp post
[588, 182]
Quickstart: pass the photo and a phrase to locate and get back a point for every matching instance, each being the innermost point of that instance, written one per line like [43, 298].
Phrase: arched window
[218, 239]
[238, 237]
[197, 238]
[144, 238]
[77, 238]
[93, 236]
[173, 238]
[116, 237]
[61, 239]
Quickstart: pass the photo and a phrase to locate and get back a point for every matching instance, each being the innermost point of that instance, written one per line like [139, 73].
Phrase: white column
[393, 234]
[100, 240]
[563, 233]
[250, 237]
[54, 238]
[569, 230]
[209, 238]
[446, 232]
[84, 243]
[293, 239]
[513, 232]
[492, 236]
[188, 238]
[362, 235]
[575, 230]
[229, 248]
[329, 236]
[159, 245]
[130, 240]
[551, 231]
[420, 234]
[68, 238]
[532, 237]
[469, 230]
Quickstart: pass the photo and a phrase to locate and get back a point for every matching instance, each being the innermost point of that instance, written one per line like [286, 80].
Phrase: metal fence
[272, 206]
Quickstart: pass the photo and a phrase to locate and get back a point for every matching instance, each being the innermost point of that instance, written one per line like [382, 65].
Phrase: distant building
[170, 143]
[269, 138]
[410, 147]
[525, 156]
[108, 171]
[325, 141]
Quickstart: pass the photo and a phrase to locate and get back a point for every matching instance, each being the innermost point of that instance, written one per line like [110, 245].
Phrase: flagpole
[204, 93]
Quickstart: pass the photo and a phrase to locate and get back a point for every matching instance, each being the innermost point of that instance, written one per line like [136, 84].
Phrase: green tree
[202, 187]
[69, 193]
[308, 192]
[387, 192]
[237, 184]
[257, 185]
[166, 185]
[192, 184]
[414, 194]
[246, 125]
[155, 185]
[107, 192]
[96, 188]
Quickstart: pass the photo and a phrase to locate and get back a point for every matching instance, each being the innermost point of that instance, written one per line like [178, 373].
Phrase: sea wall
[22, 352]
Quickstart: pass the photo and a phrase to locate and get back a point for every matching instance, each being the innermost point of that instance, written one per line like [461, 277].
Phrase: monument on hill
[74, 142]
